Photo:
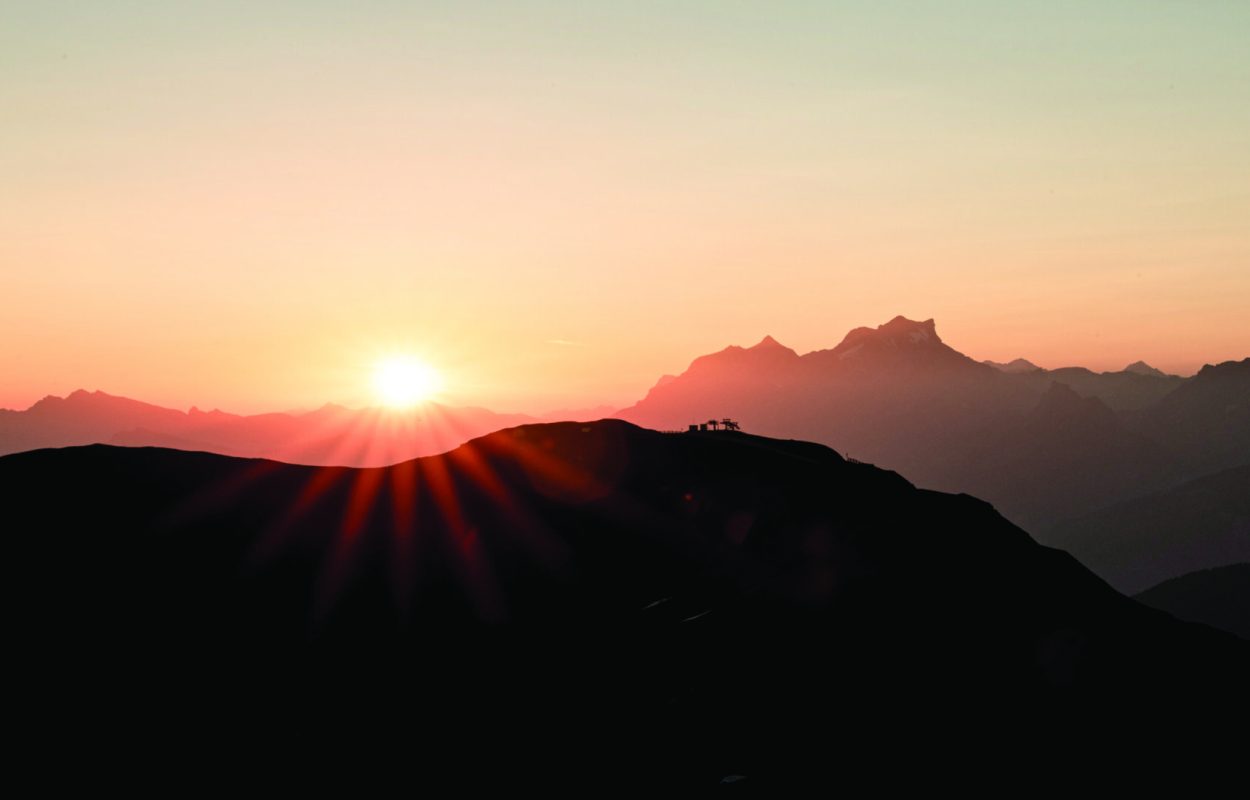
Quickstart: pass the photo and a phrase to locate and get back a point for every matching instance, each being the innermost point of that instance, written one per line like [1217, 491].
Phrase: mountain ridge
[1140, 542]
[1216, 596]
[329, 434]
[899, 396]
[675, 608]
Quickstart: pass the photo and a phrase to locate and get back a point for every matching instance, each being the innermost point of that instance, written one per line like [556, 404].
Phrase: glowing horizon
[551, 205]
[402, 382]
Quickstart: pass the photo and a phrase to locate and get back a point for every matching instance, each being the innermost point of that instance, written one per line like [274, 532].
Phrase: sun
[403, 382]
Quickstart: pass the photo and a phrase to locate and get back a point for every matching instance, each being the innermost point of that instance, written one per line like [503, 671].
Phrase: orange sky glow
[553, 206]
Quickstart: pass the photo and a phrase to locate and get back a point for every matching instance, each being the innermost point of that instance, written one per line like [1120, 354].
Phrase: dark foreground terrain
[569, 603]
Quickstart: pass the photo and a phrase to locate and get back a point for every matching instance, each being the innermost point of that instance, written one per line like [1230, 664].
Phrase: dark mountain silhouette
[597, 600]
[895, 395]
[331, 435]
[1219, 597]
[1139, 543]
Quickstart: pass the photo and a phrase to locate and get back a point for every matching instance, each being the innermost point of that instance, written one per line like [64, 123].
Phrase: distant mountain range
[1045, 447]
[1120, 389]
[621, 606]
[331, 435]
[1042, 445]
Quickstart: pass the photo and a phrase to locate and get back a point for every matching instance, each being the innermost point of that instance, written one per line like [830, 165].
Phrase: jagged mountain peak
[900, 329]
[898, 333]
[767, 343]
[76, 397]
[1142, 368]
[899, 342]
[904, 325]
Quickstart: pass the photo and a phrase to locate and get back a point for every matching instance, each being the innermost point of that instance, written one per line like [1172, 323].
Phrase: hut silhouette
[714, 425]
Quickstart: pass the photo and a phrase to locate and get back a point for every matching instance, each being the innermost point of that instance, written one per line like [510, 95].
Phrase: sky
[246, 205]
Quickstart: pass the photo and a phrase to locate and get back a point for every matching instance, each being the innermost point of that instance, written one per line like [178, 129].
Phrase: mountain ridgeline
[1042, 445]
[331, 435]
[676, 605]
[1050, 449]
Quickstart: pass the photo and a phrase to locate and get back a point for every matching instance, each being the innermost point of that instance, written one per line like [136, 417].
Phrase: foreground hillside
[672, 608]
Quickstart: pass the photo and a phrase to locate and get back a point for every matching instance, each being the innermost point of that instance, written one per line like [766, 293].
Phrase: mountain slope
[687, 603]
[1069, 454]
[1136, 544]
[1219, 597]
[1207, 419]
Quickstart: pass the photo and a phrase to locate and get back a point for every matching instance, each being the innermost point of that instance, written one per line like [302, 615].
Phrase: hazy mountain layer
[331, 435]
[1219, 597]
[1041, 445]
[1136, 544]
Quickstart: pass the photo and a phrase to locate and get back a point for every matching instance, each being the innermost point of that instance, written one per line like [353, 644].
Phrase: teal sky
[557, 202]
